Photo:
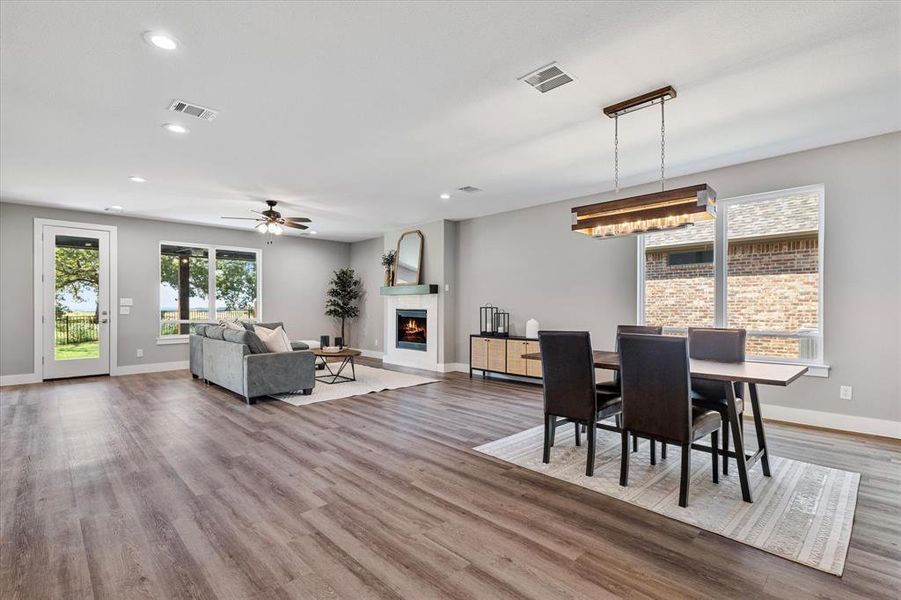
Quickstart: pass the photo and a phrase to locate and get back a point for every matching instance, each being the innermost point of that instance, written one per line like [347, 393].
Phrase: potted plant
[346, 289]
[388, 263]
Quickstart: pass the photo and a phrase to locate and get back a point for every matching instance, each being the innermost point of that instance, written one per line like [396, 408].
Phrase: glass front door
[76, 302]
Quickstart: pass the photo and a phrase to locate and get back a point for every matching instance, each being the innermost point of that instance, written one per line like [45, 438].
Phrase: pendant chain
[662, 147]
[616, 153]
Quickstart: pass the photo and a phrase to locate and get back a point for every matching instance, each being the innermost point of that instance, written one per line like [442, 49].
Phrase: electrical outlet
[844, 392]
[140, 353]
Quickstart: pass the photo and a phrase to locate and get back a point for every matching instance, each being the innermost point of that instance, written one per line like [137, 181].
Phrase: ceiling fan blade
[298, 219]
[243, 218]
[294, 225]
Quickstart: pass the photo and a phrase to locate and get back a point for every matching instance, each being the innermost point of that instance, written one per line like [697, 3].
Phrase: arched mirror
[408, 262]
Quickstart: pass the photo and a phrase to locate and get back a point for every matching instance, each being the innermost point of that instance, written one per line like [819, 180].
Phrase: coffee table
[346, 355]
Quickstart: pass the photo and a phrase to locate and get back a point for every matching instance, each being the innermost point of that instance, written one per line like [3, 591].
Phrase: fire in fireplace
[411, 329]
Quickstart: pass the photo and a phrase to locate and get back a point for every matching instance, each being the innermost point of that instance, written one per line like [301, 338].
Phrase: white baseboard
[19, 379]
[372, 353]
[453, 367]
[177, 365]
[816, 418]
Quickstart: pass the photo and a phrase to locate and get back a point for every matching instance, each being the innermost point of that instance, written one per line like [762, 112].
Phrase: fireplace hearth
[412, 333]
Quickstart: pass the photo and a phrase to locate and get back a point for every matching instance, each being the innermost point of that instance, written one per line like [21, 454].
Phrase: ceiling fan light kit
[271, 222]
[658, 211]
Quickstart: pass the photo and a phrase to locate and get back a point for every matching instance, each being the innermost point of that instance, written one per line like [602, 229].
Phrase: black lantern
[487, 321]
[502, 324]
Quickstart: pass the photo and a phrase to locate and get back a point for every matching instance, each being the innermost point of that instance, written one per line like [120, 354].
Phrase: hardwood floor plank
[159, 486]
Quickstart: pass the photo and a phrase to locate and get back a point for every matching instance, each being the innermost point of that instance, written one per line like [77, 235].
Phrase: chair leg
[653, 452]
[663, 450]
[619, 420]
[577, 427]
[624, 460]
[634, 443]
[715, 455]
[686, 474]
[553, 429]
[592, 437]
[546, 457]
[725, 445]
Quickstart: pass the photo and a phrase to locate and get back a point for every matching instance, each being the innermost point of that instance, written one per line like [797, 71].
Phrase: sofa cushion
[199, 328]
[232, 324]
[215, 332]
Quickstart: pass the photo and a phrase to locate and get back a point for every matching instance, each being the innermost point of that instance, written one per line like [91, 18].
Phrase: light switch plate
[124, 310]
[844, 392]
[125, 302]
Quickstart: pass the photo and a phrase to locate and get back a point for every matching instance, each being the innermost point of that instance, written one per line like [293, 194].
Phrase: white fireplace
[401, 351]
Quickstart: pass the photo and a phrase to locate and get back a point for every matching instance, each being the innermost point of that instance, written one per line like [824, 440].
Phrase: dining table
[749, 372]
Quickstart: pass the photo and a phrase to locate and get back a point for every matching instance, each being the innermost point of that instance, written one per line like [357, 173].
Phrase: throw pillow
[232, 324]
[276, 340]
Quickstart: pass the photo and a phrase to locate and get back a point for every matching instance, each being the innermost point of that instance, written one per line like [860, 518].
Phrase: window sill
[172, 339]
[813, 369]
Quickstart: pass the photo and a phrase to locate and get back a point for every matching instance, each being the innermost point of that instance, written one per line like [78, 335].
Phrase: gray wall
[295, 274]
[529, 263]
[366, 259]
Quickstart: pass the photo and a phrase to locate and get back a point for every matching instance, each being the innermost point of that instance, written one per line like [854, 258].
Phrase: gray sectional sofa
[240, 362]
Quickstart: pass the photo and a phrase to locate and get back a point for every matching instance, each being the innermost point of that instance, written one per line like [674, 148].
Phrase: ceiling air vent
[193, 110]
[547, 78]
[469, 189]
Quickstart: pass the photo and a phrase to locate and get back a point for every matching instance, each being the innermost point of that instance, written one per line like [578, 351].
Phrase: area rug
[803, 512]
[369, 379]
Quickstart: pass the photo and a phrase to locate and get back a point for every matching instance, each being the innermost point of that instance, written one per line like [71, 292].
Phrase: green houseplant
[388, 263]
[344, 292]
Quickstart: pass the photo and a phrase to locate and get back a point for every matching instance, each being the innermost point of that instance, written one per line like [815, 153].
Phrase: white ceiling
[360, 115]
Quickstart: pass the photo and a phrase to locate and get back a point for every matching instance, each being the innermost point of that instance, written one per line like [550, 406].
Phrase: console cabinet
[503, 355]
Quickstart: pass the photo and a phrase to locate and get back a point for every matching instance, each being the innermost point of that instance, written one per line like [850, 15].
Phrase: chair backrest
[656, 386]
[567, 364]
[721, 345]
[621, 329]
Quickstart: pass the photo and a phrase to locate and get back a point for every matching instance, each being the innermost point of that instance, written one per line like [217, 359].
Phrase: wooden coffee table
[346, 355]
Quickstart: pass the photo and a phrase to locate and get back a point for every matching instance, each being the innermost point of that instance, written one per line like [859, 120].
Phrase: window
[200, 284]
[758, 266]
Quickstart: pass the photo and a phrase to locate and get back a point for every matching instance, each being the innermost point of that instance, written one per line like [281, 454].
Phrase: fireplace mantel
[410, 290]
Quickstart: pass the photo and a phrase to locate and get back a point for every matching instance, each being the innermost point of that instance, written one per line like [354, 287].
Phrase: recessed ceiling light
[175, 128]
[445, 196]
[137, 179]
[115, 209]
[312, 232]
[160, 40]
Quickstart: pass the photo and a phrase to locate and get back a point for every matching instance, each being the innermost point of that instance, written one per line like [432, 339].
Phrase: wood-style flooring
[157, 486]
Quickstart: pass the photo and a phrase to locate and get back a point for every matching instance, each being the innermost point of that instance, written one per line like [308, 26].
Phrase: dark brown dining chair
[613, 387]
[567, 363]
[656, 386]
[721, 345]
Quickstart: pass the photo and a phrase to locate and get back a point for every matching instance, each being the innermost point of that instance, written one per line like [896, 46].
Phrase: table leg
[739, 444]
[761, 435]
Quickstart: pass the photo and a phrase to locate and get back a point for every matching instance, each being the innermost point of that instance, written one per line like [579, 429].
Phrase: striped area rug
[803, 512]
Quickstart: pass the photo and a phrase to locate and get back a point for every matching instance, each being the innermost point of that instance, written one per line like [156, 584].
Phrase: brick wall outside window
[772, 285]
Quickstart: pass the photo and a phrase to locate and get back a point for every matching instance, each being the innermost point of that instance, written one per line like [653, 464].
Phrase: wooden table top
[749, 371]
[340, 353]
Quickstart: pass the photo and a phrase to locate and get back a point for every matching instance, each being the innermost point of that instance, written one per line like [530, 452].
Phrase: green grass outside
[82, 350]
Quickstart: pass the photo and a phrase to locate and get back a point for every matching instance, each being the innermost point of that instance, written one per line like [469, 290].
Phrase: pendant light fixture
[658, 211]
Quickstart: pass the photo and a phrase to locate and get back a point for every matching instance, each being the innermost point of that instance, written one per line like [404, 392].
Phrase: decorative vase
[532, 328]
[387, 277]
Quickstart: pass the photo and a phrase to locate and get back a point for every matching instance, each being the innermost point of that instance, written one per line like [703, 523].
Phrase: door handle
[104, 320]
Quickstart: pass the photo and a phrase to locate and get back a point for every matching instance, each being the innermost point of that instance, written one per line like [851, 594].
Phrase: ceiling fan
[272, 221]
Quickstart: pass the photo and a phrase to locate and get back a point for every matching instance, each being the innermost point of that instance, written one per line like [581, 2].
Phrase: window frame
[211, 285]
[720, 268]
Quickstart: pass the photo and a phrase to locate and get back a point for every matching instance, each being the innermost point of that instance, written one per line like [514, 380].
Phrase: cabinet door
[533, 366]
[516, 364]
[497, 355]
[479, 357]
